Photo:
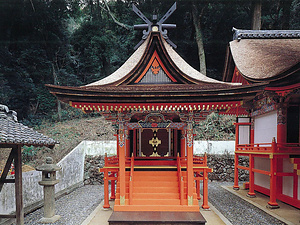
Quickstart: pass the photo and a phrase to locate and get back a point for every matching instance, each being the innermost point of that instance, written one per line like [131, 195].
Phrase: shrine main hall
[155, 100]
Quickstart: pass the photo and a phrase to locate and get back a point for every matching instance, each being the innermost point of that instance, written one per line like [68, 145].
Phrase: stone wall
[223, 167]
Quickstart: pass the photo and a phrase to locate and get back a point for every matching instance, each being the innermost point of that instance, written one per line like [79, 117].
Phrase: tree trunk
[55, 81]
[199, 37]
[256, 15]
[286, 10]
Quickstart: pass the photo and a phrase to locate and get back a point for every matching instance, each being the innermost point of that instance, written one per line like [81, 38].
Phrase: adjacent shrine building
[269, 137]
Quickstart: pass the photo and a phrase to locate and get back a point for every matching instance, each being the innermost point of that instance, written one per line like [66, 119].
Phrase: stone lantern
[48, 181]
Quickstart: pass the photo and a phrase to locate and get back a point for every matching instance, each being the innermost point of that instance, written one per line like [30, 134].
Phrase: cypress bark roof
[265, 58]
[165, 50]
[12, 132]
[155, 73]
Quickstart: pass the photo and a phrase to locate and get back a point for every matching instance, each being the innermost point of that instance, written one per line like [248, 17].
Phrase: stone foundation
[223, 167]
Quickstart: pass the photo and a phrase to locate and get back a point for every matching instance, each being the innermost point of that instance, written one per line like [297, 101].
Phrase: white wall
[265, 127]
[262, 179]
[200, 147]
[244, 131]
[70, 176]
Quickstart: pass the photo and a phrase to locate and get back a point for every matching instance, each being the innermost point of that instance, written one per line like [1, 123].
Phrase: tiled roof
[264, 34]
[13, 132]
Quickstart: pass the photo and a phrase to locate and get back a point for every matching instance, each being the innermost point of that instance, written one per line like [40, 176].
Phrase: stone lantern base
[49, 220]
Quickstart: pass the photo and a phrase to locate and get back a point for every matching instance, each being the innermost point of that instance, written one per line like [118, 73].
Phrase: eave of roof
[14, 133]
[155, 93]
[266, 59]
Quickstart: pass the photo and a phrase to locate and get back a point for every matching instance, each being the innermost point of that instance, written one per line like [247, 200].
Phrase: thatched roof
[261, 56]
[138, 56]
[14, 133]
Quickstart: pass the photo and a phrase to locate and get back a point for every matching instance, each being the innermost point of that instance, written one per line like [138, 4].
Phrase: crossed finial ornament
[154, 26]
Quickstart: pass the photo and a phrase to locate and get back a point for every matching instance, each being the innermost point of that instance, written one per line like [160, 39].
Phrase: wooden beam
[6, 169]
[18, 185]
[7, 216]
[5, 181]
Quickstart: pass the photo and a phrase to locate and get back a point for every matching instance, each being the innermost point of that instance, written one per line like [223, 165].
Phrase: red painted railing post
[106, 191]
[251, 192]
[198, 189]
[272, 203]
[131, 180]
[236, 172]
[205, 190]
[113, 188]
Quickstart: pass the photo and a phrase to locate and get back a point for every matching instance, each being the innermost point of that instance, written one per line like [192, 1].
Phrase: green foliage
[77, 42]
[216, 127]
[29, 153]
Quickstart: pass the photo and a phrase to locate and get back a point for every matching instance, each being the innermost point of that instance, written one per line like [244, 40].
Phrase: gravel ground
[73, 208]
[235, 209]
[78, 205]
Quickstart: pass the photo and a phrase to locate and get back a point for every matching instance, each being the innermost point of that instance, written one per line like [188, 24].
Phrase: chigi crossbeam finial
[154, 26]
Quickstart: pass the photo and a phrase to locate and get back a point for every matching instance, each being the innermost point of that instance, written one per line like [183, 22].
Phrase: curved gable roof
[173, 64]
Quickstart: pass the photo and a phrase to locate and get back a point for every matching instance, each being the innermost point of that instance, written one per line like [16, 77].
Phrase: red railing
[131, 180]
[180, 181]
[269, 147]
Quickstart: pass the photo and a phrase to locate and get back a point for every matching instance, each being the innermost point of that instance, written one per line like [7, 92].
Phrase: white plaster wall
[71, 174]
[100, 147]
[200, 147]
[287, 188]
[287, 185]
[244, 131]
[214, 147]
[262, 179]
[265, 128]
[72, 168]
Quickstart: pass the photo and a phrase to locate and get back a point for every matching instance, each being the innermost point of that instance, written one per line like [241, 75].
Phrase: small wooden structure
[155, 99]
[14, 135]
[270, 135]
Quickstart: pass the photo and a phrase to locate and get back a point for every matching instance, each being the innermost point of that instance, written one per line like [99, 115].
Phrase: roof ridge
[8, 114]
[264, 34]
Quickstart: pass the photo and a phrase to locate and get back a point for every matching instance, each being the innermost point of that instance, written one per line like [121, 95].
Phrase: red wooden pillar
[251, 192]
[252, 131]
[236, 160]
[281, 124]
[190, 172]
[106, 190]
[205, 190]
[122, 149]
[113, 189]
[272, 203]
[182, 143]
[198, 189]
[127, 144]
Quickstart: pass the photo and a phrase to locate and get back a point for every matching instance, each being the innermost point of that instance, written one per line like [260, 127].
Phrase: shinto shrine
[155, 100]
[269, 136]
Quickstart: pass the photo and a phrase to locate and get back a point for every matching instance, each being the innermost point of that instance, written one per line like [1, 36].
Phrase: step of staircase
[157, 218]
[154, 191]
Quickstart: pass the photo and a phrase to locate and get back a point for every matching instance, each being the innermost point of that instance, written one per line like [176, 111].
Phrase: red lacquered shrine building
[155, 99]
[269, 137]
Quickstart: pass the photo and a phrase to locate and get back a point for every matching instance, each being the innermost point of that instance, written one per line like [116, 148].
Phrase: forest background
[76, 42]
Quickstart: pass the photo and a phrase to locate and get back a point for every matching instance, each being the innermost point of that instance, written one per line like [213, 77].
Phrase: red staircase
[155, 191]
